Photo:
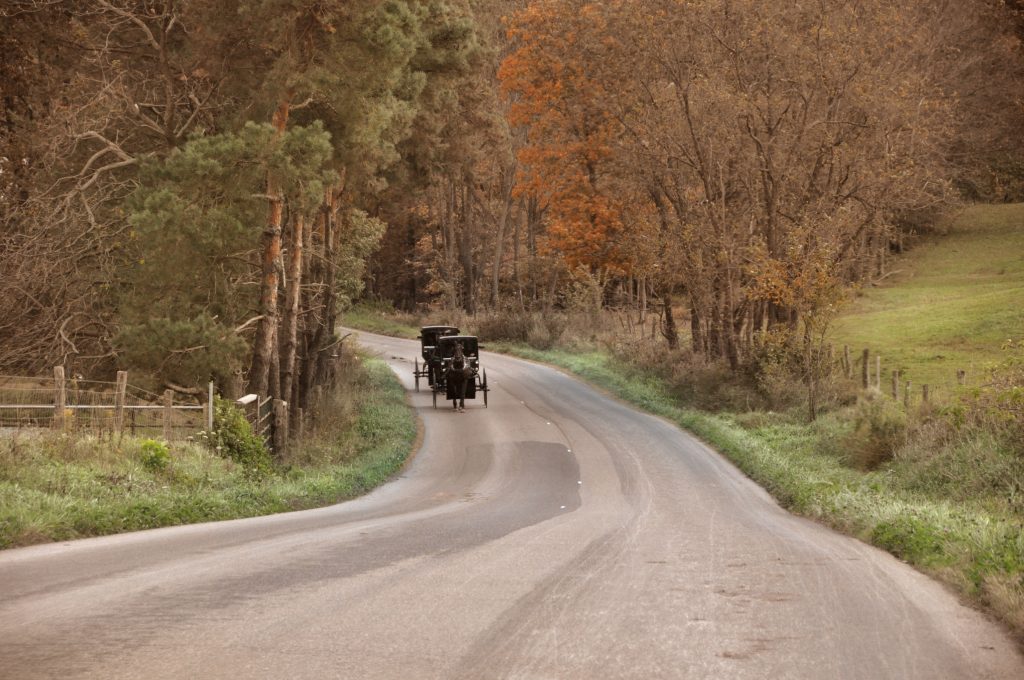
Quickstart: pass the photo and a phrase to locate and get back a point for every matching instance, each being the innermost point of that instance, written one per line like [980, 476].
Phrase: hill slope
[953, 301]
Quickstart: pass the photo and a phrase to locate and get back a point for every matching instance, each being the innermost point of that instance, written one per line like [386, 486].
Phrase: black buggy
[431, 366]
[476, 377]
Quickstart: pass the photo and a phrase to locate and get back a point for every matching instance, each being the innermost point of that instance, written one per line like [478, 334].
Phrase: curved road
[557, 534]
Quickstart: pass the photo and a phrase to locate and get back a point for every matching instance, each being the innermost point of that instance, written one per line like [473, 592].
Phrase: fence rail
[87, 405]
[96, 406]
[268, 417]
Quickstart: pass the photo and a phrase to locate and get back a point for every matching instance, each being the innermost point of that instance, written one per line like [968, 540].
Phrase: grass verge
[56, 487]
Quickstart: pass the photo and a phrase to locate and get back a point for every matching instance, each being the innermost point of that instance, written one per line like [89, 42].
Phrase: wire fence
[98, 407]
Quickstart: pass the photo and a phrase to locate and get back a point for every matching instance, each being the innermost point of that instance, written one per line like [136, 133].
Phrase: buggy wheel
[416, 372]
[483, 386]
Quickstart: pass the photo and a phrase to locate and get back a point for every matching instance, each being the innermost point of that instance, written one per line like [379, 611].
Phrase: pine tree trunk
[274, 377]
[325, 332]
[311, 306]
[289, 324]
[263, 346]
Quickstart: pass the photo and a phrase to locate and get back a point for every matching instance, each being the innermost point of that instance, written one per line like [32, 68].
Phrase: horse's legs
[462, 393]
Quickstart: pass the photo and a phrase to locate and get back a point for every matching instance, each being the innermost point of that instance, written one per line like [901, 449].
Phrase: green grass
[56, 487]
[955, 300]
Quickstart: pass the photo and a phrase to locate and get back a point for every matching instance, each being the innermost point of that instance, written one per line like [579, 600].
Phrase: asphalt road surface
[556, 534]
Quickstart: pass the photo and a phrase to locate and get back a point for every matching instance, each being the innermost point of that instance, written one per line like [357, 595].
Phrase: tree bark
[263, 346]
[468, 274]
[499, 241]
[696, 337]
[289, 324]
[669, 330]
[325, 331]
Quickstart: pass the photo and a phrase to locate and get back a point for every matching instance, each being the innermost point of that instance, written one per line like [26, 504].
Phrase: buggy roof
[447, 344]
[438, 330]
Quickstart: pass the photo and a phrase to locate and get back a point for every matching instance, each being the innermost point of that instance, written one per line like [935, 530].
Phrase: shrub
[962, 463]
[154, 455]
[909, 538]
[233, 438]
[695, 381]
[879, 429]
[546, 330]
[999, 404]
[510, 324]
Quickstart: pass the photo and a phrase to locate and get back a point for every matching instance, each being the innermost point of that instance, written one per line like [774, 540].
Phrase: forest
[196, 189]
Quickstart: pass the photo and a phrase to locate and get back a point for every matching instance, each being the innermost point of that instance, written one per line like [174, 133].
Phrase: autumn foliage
[566, 162]
[770, 151]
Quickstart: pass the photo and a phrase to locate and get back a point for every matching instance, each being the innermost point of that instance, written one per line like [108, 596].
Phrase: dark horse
[457, 376]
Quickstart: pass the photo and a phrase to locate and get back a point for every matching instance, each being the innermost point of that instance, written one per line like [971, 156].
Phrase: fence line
[899, 388]
[89, 405]
[96, 406]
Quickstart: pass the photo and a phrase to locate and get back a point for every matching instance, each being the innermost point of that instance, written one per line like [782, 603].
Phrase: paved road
[556, 534]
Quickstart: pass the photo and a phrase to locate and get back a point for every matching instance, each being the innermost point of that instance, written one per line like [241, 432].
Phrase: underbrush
[55, 486]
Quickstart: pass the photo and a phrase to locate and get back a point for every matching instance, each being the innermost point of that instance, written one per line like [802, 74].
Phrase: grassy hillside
[954, 300]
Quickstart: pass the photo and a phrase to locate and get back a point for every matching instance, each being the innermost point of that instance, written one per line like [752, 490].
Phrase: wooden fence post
[60, 397]
[924, 393]
[865, 371]
[906, 395]
[280, 433]
[168, 413]
[895, 384]
[878, 372]
[847, 365]
[122, 386]
[209, 407]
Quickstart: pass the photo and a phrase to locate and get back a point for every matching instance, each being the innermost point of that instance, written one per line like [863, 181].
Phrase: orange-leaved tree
[566, 161]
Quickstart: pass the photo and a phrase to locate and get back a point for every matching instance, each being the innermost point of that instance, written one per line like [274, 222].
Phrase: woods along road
[556, 534]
